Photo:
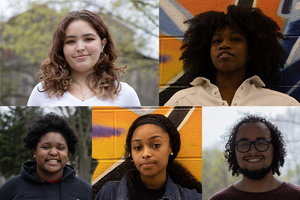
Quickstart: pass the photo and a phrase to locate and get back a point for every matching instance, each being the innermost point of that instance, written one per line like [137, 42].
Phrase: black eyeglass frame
[252, 142]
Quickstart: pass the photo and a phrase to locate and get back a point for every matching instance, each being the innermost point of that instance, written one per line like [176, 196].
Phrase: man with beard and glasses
[256, 149]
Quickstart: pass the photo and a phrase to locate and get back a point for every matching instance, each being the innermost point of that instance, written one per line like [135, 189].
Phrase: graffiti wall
[110, 127]
[174, 12]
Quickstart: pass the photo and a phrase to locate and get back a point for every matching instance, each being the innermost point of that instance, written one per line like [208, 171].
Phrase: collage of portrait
[150, 100]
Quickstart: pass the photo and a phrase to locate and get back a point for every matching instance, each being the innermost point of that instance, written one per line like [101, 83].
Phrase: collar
[201, 81]
[171, 191]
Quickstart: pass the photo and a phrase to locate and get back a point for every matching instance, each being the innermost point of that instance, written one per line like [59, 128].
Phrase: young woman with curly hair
[80, 70]
[152, 144]
[232, 59]
[50, 140]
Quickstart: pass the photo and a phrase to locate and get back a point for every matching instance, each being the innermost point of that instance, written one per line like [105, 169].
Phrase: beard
[256, 174]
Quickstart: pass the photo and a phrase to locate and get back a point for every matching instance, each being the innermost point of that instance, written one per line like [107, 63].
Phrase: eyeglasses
[260, 145]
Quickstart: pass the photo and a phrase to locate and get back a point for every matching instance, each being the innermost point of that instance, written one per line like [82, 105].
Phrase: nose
[252, 148]
[147, 153]
[224, 45]
[53, 152]
[80, 47]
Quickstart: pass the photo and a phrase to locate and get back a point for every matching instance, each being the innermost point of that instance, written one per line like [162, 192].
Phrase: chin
[256, 174]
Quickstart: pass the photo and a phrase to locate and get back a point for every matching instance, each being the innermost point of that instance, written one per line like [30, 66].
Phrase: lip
[253, 159]
[147, 164]
[53, 161]
[225, 54]
[82, 56]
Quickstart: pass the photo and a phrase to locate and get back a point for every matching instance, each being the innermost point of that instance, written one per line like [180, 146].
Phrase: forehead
[252, 131]
[80, 26]
[228, 30]
[52, 137]
[146, 131]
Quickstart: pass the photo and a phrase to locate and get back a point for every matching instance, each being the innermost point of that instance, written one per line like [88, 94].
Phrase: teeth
[53, 161]
[254, 160]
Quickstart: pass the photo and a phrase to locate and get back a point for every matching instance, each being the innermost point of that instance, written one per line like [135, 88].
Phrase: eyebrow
[255, 139]
[85, 35]
[151, 138]
[50, 143]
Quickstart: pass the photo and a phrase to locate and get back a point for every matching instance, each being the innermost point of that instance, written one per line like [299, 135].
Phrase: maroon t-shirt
[285, 191]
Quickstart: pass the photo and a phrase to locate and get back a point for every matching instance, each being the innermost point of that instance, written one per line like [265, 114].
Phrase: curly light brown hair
[56, 74]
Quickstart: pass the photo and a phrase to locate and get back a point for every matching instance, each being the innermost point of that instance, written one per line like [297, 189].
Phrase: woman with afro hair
[152, 144]
[80, 70]
[232, 59]
[50, 140]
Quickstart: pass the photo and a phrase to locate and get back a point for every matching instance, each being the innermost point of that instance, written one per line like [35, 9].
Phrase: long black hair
[178, 173]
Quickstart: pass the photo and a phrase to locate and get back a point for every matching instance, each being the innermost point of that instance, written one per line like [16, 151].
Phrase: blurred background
[27, 27]
[217, 121]
[14, 122]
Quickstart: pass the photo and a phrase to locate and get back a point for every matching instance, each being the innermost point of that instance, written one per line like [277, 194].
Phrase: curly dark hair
[178, 173]
[56, 74]
[263, 33]
[50, 122]
[279, 150]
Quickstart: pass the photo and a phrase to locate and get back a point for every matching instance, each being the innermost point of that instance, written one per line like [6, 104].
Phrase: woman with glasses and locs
[152, 144]
[80, 70]
[50, 141]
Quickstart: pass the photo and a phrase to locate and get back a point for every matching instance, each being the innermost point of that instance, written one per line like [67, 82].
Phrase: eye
[61, 148]
[70, 42]
[236, 39]
[216, 41]
[137, 148]
[46, 147]
[156, 145]
[89, 39]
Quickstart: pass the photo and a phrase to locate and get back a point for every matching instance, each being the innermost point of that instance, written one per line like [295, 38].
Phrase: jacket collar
[28, 171]
[255, 80]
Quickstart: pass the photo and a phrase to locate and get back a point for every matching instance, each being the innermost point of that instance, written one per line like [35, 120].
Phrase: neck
[154, 182]
[268, 183]
[228, 83]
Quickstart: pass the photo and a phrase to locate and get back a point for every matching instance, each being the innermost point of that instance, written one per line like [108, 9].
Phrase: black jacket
[27, 185]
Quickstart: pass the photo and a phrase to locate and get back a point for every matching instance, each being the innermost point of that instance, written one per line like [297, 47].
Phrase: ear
[103, 42]
[33, 151]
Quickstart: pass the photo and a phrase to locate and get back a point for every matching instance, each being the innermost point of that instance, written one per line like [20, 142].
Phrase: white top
[250, 93]
[126, 98]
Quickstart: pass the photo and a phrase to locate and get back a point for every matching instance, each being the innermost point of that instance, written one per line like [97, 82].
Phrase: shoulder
[186, 193]
[84, 184]
[223, 194]
[10, 187]
[180, 97]
[108, 191]
[128, 96]
[291, 189]
[274, 98]
[267, 97]
[37, 96]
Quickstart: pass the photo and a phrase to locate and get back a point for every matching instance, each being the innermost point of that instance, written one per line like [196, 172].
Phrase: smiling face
[150, 150]
[82, 46]
[51, 155]
[229, 50]
[254, 162]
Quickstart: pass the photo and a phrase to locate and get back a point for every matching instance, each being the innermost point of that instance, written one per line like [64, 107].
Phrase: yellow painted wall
[110, 126]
